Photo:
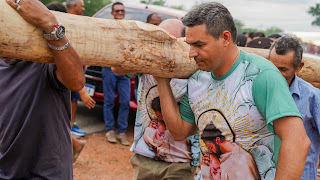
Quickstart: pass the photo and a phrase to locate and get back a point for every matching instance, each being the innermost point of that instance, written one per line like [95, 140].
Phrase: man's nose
[192, 53]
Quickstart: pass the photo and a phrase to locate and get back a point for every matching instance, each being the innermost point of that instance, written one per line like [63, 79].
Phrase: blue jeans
[112, 83]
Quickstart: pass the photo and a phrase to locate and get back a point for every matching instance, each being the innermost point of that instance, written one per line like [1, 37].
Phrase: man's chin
[203, 68]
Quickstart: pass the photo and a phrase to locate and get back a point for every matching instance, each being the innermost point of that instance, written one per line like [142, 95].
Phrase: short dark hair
[258, 34]
[116, 3]
[183, 32]
[251, 34]
[286, 44]
[241, 40]
[55, 6]
[155, 104]
[215, 16]
[150, 16]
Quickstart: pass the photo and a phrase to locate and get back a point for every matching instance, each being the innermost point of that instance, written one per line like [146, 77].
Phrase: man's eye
[283, 69]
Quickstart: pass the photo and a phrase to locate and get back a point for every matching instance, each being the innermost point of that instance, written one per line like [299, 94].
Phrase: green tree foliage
[181, 7]
[272, 30]
[239, 25]
[45, 2]
[154, 2]
[315, 12]
[92, 6]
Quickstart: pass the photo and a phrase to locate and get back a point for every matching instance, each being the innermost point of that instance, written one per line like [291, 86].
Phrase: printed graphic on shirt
[235, 142]
[223, 159]
[151, 136]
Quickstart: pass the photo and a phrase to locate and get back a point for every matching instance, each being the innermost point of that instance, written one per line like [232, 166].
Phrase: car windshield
[132, 14]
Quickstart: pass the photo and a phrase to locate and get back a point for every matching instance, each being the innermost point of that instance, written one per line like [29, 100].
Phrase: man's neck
[294, 77]
[230, 60]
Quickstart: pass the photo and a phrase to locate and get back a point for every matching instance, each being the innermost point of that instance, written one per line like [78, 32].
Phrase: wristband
[61, 47]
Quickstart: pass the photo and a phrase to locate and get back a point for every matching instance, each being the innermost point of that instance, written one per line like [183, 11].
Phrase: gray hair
[215, 16]
[284, 45]
[70, 3]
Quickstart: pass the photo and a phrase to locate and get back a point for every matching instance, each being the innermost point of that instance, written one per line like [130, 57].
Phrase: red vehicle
[134, 11]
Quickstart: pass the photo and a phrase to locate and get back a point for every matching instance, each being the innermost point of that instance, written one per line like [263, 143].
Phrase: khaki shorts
[150, 169]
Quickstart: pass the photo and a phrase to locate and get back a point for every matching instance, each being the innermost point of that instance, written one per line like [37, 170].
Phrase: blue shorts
[75, 96]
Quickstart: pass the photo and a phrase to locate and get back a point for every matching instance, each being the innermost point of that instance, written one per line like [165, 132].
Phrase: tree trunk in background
[127, 44]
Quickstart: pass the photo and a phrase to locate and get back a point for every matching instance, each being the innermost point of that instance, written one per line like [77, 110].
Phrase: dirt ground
[101, 160]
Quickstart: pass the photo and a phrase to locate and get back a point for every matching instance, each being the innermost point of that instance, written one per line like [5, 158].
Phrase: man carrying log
[286, 55]
[35, 140]
[157, 154]
[243, 95]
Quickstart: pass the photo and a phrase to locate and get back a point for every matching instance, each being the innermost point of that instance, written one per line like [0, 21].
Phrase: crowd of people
[240, 116]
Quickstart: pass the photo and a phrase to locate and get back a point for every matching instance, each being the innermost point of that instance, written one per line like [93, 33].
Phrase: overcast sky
[289, 15]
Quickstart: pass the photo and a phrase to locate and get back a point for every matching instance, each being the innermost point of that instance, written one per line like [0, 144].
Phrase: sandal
[77, 152]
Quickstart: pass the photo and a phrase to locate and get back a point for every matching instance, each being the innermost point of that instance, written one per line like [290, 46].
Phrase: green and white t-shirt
[237, 110]
[151, 136]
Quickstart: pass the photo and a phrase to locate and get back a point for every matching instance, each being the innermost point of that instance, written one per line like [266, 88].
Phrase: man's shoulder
[200, 75]
[258, 61]
[306, 86]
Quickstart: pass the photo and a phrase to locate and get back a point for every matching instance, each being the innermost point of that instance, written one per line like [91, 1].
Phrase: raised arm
[69, 69]
[294, 147]
[179, 128]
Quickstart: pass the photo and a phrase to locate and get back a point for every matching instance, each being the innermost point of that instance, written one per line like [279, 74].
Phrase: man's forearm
[171, 114]
[292, 159]
[294, 147]
[69, 68]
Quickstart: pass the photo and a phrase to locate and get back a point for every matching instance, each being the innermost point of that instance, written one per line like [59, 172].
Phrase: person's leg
[75, 130]
[109, 82]
[177, 171]
[77, 147]
[74, 107]
[148, 168]
[124, 100]
[143, 167]
[318, 169]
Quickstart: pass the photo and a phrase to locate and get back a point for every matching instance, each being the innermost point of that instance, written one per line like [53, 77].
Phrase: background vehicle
[136, 11]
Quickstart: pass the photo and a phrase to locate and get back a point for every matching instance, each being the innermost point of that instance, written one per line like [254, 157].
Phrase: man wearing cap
[262, 43]
[35, 140]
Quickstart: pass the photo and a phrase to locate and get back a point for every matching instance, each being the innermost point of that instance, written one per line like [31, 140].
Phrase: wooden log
[310, 71]
[128, 44]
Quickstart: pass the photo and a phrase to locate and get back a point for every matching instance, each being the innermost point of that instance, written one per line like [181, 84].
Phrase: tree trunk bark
[128, 44]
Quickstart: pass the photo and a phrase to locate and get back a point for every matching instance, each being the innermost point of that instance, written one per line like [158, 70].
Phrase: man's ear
[226, 37]
[299, 67]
